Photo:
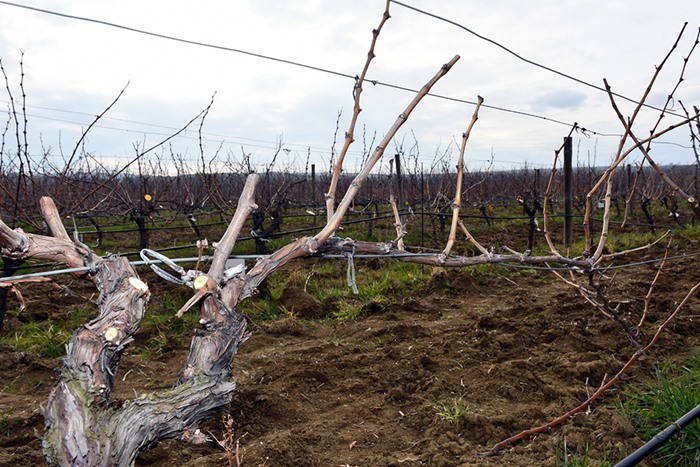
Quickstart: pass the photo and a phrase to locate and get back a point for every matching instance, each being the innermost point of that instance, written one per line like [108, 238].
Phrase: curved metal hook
[149, 255]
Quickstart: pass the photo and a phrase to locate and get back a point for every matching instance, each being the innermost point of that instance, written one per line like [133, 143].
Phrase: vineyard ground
[512, 348]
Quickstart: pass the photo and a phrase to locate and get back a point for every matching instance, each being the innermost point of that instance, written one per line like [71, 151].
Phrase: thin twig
[647, 299]
[350, 133]
[495, 450]
[83, 135]
[460, 176]
[648, 246]
[400, 232]
[334, 221]
[620, 155]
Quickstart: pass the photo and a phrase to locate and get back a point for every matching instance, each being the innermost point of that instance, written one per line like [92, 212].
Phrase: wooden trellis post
[568, 192]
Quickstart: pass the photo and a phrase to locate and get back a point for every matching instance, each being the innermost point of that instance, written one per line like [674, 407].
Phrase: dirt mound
[301, 304]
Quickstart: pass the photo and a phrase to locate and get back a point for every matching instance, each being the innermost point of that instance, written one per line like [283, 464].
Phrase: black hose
[659, 439]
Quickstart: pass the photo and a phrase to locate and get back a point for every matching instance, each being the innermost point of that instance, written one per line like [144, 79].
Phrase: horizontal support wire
[344, 257]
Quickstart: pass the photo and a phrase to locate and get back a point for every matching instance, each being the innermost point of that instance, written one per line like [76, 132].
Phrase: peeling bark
[83, 427]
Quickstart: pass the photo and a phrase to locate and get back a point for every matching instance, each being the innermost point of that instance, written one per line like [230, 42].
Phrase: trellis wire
[344, 257]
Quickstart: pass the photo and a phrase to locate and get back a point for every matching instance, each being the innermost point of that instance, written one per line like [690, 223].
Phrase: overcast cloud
[74, 69]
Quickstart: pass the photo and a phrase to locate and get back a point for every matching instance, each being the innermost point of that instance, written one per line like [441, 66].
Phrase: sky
[74, 69]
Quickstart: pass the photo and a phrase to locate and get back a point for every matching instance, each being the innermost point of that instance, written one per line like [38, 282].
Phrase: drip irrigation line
[659, 439]
[381, 216]
[372, 219]
[277, 234]
[150, 229]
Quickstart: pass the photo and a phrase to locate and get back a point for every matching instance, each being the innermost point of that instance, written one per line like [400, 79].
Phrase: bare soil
[519, 349]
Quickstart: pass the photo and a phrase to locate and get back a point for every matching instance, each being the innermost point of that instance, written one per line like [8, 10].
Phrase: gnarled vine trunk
[83, 428]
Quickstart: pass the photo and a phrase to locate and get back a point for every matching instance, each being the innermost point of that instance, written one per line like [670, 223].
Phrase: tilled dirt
[518, 350]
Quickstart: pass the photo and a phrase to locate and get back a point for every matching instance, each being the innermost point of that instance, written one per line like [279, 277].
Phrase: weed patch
[655, 405]
[452, 410]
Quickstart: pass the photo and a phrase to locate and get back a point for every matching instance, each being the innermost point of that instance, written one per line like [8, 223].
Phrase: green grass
[348, 312]
[77, 316]
[261, 309]
[333, 340]
[158, 342]
[326, 281]
[6, 425]
[452, 410]
[166, 331]
[655, 405]
[620, 241]
[39, 339]
[10, 387]
[689, 233]
[568, 456]
[47, 339]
